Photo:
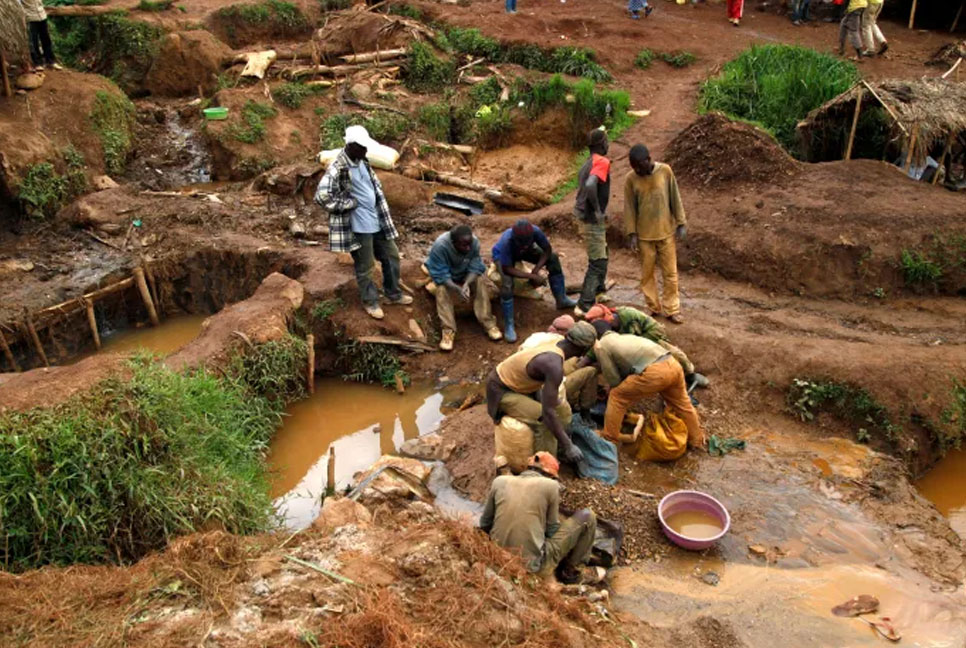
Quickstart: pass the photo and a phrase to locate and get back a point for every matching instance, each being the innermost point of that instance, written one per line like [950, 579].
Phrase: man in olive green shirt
[523, 512]
[653, 216]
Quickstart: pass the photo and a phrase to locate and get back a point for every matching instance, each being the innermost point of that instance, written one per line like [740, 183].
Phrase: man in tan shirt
[653, 216]
[523, 512]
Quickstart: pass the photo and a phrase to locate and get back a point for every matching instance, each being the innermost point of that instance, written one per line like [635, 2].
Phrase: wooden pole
[942, 158]
[8, 353]
[146, 295]
[912, 14]
[310, 340]
[912, 147]
[92, 322]
[36, 339]
[330, 473]
[855, 122]
[7, 90]
[153, 285]
[959, 15]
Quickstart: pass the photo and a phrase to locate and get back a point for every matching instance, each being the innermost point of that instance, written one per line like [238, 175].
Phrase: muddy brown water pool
[945, 487]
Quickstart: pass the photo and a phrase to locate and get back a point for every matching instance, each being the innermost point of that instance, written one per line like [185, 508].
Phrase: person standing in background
[873, 39]
[851, 26]
[736, 8]
[593, 194]
[41, 49]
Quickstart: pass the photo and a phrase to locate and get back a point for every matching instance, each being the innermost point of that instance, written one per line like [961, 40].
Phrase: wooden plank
[8, 353]
[886, 106]
[92, 322]
[7, 90]
[146, 295]
[330, 472]
[38, 346]
[391, 341]
[912, 147]
[855, 122]
[912, 15]
[310, 369]
[942, 158]
[367, 57]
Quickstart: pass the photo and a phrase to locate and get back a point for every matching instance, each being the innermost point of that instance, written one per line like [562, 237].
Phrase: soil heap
[715, 149]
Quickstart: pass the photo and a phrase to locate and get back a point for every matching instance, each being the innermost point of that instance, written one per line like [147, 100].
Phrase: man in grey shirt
[359, 220]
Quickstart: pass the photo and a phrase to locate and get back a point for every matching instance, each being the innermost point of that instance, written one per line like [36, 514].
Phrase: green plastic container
[213, 114]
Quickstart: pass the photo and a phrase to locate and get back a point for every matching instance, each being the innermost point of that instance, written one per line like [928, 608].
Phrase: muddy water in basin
[695, 524]
[362, 423]
[171, 335]
[945, 487]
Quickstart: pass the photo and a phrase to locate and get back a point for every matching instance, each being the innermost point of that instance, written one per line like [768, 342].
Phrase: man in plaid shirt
[359, 220]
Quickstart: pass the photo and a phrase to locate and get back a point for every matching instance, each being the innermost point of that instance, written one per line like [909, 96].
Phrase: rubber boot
[508, 331]
[558, 288]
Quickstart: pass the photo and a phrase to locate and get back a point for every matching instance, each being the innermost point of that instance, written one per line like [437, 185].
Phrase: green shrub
[854, 404]
[276, 369]
[644, 59]
[279, 12]
[473, 43]
[111, 44]
[375, 363]
[253, 115]
[436, 119]
[492, 125]
[426, 72]
[405, 10]
[111, 475]
[155, 5]
[326, 308]
[776, 86]
[382, 125]
[113, 120]
[679, 58]
[918, 269]
[43, 191]
[293, 94]
[487, 92]
[954, 417]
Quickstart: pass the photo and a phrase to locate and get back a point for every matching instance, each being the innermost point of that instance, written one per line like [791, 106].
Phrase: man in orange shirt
[593, 194]
[653, 217]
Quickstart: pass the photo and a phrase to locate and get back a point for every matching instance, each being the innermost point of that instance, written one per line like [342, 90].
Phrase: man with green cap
[528, 386]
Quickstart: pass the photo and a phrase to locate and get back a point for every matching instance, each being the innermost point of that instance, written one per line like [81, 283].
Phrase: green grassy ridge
[776, 86]
[113, 473]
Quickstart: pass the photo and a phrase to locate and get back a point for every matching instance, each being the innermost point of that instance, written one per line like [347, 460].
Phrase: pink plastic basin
[690, 500]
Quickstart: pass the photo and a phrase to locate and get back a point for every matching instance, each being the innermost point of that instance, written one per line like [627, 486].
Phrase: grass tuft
[808, 396]
[43, 191]
[374, 363]
[425, 72]
[644, 59]
[113, 120]
[776, 86]
[253, 115]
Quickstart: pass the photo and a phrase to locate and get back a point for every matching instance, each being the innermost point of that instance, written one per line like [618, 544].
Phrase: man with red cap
[523, 512]
[527, 242]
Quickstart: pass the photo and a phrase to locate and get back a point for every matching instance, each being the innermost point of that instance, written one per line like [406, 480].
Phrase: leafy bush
[405, 10]
[436, 119]
[326, 308]
[918, 269]
[644, 59]
[426, 72]
[776, 86]
[275, 369]
[374, 363]
[279, 12]
[155, 5]
[111, 44]
[111, 475]
[293, 94]
[43, 191]
[954, 416]
[382, 125]
[253, 115]
[851, 403]
[492, 124]
[113, 120]
[679, 58]
[487, 92]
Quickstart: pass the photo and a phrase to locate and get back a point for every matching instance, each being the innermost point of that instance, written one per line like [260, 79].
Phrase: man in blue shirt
[359, 220]
[526, 242]
[455, 266]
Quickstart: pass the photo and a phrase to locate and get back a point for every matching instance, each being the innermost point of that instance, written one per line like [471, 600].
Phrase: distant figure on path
[41, 49]
[736, 9]
[653, 216]
[635, 7]
[359, 220]
[511, 6]
[873, 39]
[851, 26]
[799, 11]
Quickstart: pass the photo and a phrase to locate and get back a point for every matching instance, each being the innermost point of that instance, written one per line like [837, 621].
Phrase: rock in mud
[431, 447]
[338, 512]
[30, 81]
[102, 182]
[297, 229]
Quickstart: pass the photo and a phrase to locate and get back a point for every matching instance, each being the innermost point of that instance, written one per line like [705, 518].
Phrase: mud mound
[360, 31]
[716, 150]
[186, 61]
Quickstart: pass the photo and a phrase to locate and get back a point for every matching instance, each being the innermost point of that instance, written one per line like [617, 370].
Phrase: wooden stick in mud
[310, 375]
[942, 159]
[334, 70]
[29, 326]
[366, 57]
[855, 122]
[146, 295]
[526, 192]
[400, 384]
[92, 322]
[152, 284]
[7, 90]
[8, 353]
[330, 472]
[912, 148]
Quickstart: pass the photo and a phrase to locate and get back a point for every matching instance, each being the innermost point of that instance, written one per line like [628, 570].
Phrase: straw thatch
[13, 31]
[934, 108]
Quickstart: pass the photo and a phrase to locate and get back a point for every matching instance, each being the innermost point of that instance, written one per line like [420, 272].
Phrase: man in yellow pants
[653, 216]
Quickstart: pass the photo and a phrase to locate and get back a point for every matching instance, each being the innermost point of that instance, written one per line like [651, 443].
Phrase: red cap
[545, 462]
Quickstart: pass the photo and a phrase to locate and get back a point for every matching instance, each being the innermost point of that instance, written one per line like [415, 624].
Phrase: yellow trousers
[660, 254]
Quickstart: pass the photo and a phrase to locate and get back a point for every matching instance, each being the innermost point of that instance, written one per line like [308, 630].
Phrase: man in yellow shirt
[851, 26]
[653, 216]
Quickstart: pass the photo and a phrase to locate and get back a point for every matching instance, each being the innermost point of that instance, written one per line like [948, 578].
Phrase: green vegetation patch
[426, 72]
[644, 58]
[113, 120]
[252, 128]
[954, 417]
[932, 263]
[112, 45]
[678, 58]
[114, 473]
[277, 12]
[374, 363]
[326, 308]
[155, 5]
[292, 95]
[43, 190]
[808, 396]
[384, 126]
[776, 86]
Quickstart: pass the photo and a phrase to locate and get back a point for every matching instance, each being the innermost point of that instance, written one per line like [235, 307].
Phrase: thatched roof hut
[13, 32]
[925, 114]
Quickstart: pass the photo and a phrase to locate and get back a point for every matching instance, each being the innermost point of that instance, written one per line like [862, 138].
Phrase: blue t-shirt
[505, 253]
[364, 218]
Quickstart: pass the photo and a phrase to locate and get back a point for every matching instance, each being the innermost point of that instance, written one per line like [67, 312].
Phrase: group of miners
[553, 373]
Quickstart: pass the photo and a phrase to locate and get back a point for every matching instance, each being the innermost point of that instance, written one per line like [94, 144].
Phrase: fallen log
[366, 57]
[459, 148]
[87, 11]
[472, 80]
[532, 194]
[520, 203]
[349, 99]
[391, 341]
[295, 73]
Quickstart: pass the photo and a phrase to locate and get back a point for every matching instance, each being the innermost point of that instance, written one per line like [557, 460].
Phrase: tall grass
[776, 86]
[113, 473]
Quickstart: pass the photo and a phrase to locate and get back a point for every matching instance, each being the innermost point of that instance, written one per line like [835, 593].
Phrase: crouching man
[456, 268]
[523, 512]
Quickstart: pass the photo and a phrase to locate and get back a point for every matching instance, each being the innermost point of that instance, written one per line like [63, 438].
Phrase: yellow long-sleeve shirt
[855, 5]
[652, 204]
